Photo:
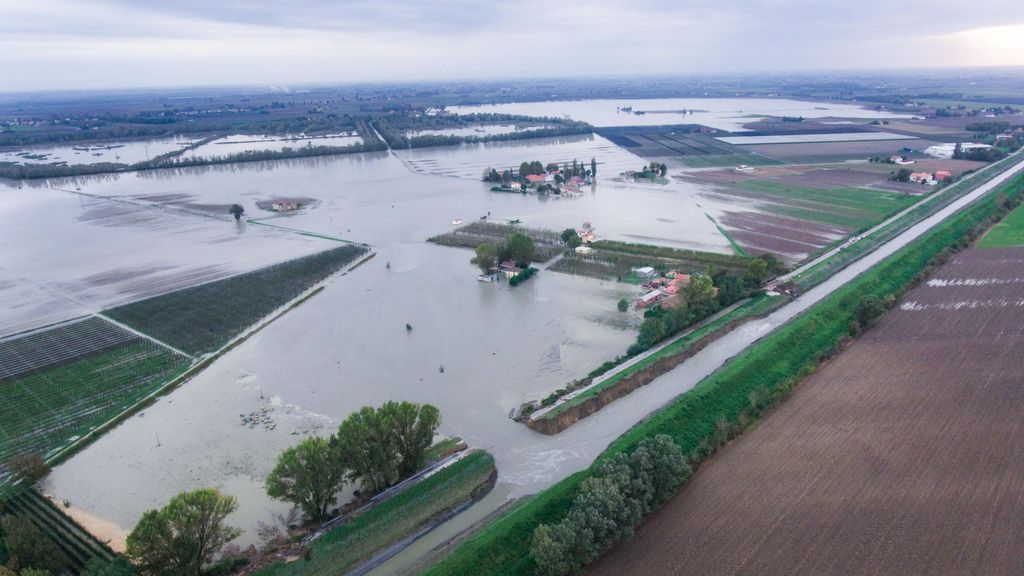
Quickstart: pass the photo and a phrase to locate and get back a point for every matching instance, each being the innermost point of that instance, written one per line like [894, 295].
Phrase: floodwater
[348, 346]
[237, 143]
[480, 130]
[68, 254]
[722, 113]
[128, 152]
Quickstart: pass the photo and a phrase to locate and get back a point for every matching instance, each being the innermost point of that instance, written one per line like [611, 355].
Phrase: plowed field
[901, 456]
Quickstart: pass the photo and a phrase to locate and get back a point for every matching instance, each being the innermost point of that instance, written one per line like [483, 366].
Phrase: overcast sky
[63, 44]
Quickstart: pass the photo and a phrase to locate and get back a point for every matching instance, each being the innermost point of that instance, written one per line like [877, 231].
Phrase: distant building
[516, 185]
[941, 175]
[508, 268]
[283, 206]
[534, 178]
[584, 250]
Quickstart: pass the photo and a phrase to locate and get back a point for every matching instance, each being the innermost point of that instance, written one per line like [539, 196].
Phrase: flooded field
[498, 346]
[722, 113]
[116, 152]
[81, 254]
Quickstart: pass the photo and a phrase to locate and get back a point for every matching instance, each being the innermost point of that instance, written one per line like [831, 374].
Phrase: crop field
[548, 243]
[78, 546]
[898, 457]
[802, 216]
[202, 318]
[60, 383]
[1009, 232]
[679, 146]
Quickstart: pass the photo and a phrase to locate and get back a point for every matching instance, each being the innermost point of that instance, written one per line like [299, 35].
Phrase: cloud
[117, 43]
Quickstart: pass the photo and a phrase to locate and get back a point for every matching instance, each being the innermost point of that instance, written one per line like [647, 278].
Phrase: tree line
[609, 505]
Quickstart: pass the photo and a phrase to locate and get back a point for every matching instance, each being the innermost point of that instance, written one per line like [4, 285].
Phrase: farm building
[516, 186]
[922, 178]
[534, 178]
[508, 268]
[650, 298]
[941, 175]
[645, 272]
[284, 206]
[584, 250]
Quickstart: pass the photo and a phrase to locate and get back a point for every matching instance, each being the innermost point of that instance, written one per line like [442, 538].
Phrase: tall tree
[183, 537]
[486, 257]
[593, 167]
[520, 247]
[309, 475]
[414, 427]
[366, 441]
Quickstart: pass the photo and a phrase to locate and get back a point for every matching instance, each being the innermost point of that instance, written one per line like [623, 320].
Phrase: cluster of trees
[609, 505]
[978, 154]
[518, 247]
[522, 276]
[701, 301]
[652, 170]
[987, 126]
[536, 167]
[182, 538]
[571, 238]
[376, 447]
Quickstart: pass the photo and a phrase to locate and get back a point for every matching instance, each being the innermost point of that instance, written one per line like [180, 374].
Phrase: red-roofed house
[534, 178]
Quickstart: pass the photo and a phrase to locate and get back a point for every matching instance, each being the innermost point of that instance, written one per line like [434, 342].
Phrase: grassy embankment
[347, 546]
[729, 400]
[202, 318]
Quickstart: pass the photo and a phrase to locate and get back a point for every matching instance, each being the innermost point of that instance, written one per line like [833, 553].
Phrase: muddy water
[722, 113]
[348, 346]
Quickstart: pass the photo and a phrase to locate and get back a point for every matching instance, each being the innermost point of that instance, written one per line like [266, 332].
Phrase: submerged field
[59, 384]
[897, 457]
[203, 318]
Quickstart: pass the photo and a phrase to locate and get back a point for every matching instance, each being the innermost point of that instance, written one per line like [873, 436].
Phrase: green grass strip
[1009, 232]
[735, 247]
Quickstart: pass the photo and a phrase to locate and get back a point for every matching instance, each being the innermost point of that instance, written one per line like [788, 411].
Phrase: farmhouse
[941, 175]
[534, 178]
[516, 186]
[922, 178]
[508, 268]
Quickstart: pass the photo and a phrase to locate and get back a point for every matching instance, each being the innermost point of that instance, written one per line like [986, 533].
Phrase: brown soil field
[789, 238]
[903, 455]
